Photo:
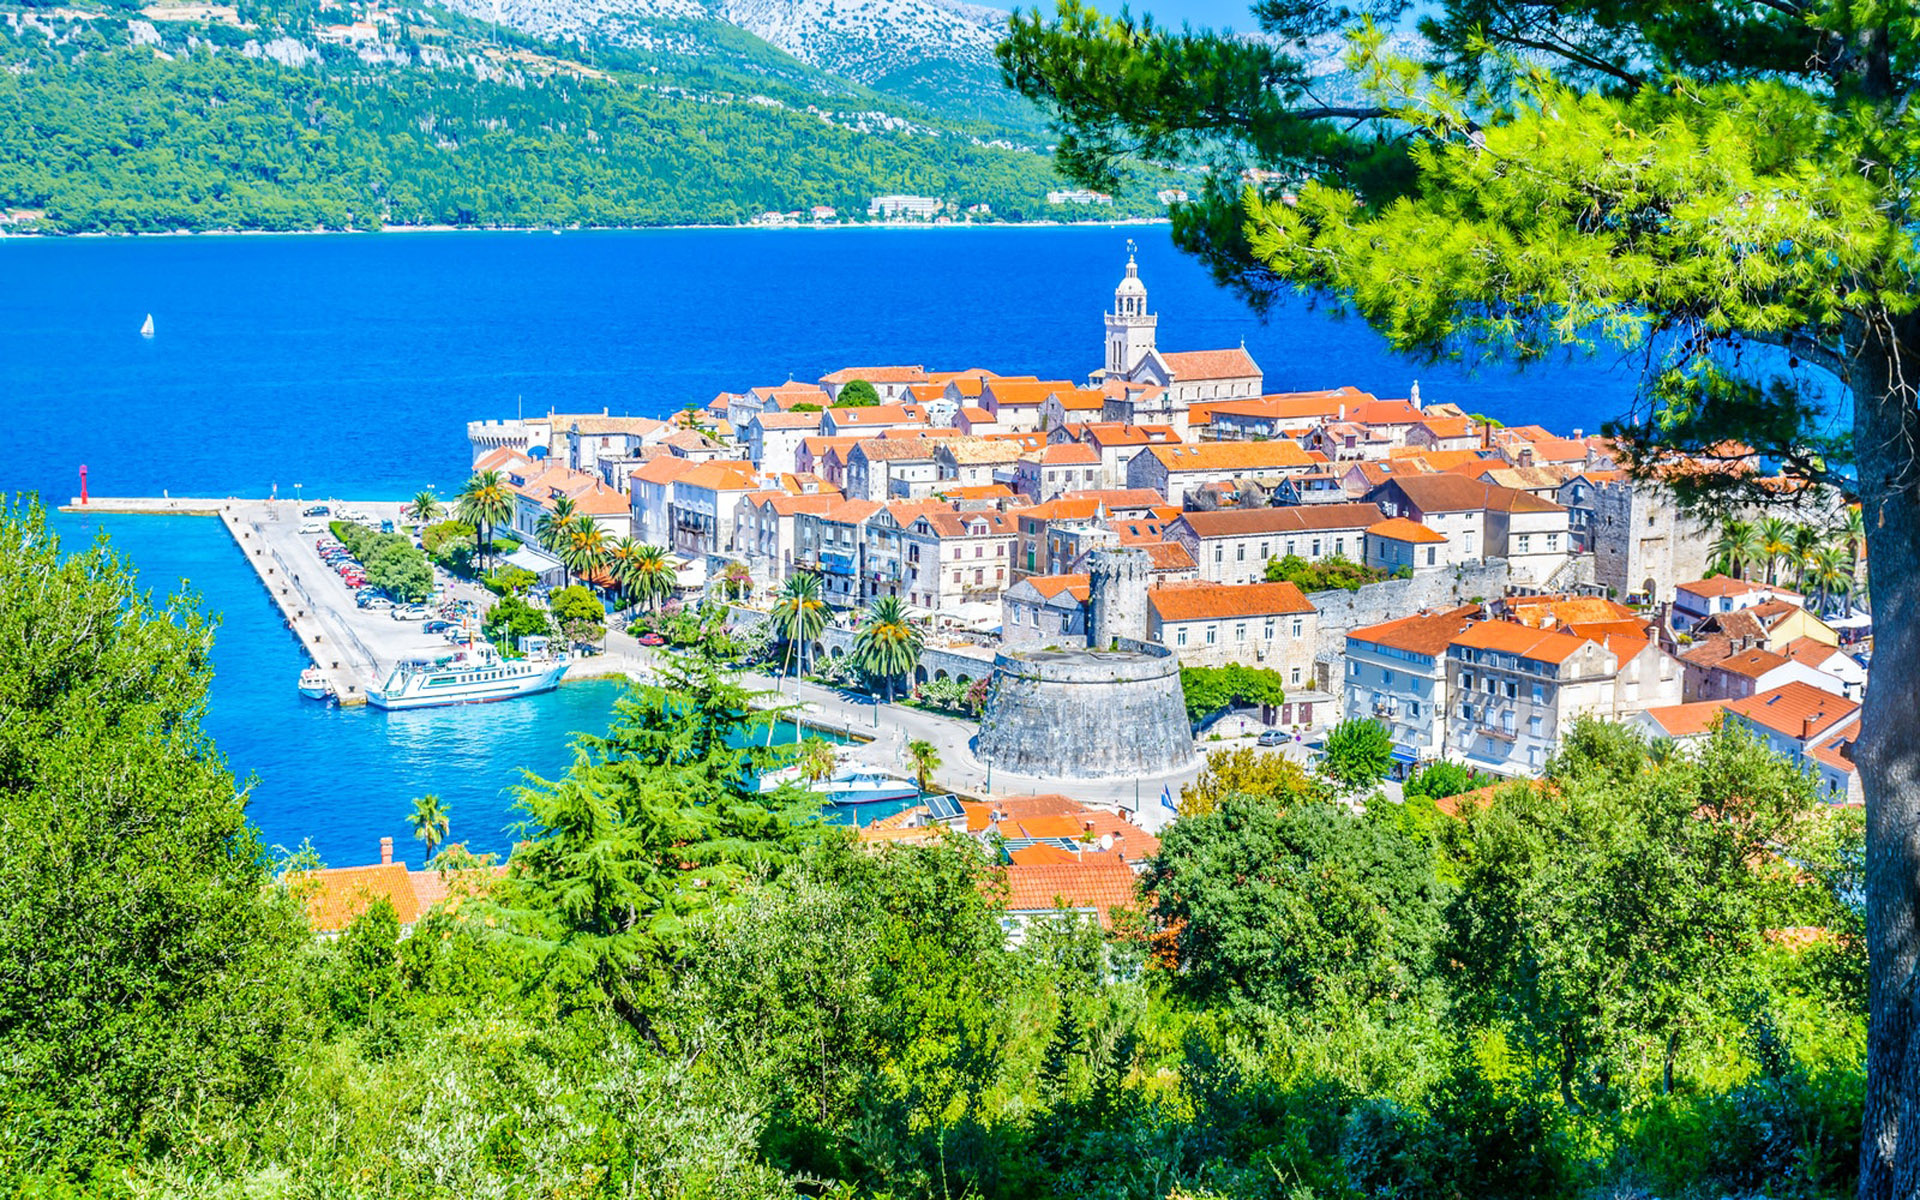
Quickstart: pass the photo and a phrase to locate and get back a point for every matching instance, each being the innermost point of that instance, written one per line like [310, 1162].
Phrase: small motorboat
[314, 685]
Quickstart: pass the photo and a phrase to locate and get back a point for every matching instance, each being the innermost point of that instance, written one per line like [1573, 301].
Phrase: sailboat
[146, 327]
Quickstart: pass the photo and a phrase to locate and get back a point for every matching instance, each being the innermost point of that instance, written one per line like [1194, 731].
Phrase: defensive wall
[1087, 714]
[1342, 612]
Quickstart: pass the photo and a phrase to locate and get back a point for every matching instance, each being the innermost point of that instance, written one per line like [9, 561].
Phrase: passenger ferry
[465, 679]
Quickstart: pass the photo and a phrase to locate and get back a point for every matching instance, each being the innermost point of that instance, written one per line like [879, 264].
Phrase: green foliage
[1210, 690]
[365, 973]
[440, 539]
[146, 964]
[393, 563]
[1301, 911]
[657, 821]
[638, 138]
[1327, 574]
[1357, 754]
[887, 645]
[1272, 778]
[857, 393]
[578, 613]
[512, 619]
[509, 580]
[1438, 780]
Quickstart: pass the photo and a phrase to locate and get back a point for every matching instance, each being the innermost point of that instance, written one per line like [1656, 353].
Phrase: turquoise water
[346, 777]
[350, 365]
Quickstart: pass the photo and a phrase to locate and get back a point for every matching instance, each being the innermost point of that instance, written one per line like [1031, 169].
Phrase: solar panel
[943, 808]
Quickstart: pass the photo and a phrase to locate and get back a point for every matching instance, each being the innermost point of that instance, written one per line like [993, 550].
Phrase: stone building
[1268, 625]
[1086, 714]
[1642, 544]
[1117, 595]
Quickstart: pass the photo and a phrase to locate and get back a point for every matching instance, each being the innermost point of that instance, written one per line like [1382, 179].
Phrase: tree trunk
[1887, 754]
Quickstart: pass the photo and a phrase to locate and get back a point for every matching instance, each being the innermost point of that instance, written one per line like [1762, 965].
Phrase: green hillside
[118, 123]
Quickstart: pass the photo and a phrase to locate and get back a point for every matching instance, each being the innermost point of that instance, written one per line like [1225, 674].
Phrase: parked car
[314, 510]
[437, 626]
[460, 638]
[409, 612]
[652, 639]
[1273, 737]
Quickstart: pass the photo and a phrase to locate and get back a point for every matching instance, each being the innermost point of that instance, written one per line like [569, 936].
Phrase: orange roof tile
[1274, 455]
[337, 895]
[1506, 637]
[1217, 601]
[876, 375]
[1399, 529]
[1798, 710]
[1422, 633]
[1050, 586]
[1097, 882]
[1190, 365]
[1301, 518]
[1042, 854]
[1688, 720]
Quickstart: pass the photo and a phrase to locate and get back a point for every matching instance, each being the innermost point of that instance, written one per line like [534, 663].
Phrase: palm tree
[430, 822]
[1806, 539]
[583, 547]
[817, 760]
[1737, 545]
[888, 644]
[485, 503]
[800, 615]
[1853, 535]
[549, 528]
[1827, 571]
[1774, 534]
[620, 559]
[652, 577]
[424, 507]
[925, 759]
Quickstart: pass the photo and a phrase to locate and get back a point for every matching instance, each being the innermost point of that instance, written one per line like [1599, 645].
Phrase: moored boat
[314, 685]
[848, 787]
[465, 678]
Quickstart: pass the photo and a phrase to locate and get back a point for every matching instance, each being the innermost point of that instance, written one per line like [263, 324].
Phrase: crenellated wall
[1087, 714]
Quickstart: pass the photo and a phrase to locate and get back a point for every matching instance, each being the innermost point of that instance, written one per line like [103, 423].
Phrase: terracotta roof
[1050, 586]
[819, 446]
[1798, 710]
[1168, 556]
[1809, 652]
[1447, 427]
[948, 524]
[978, 416]
[1290, 405]
[504, 459]
[1069, 454]
[1688, 720]
[1544, 612]
[1081, 399]
[1455, 493]
[665, 469]
[978, 491]
[1117, 499]
[850, 512]
[1752, 663]
[339, 894]
[1505, 637]
[878, 414]
[1385, 412]
[893, 449]
[1190, 365]
[1719, 585]
[1010, 393]
[876, 375]
[1423, 633]
[1400, 529]
[1459, 462]
[718, 476]
[1216, 601]
[1120, 433]
[1097, 882]
[1277, 454]
[603, 501]
[1559, 450]
[1299, 518]
[788, 420]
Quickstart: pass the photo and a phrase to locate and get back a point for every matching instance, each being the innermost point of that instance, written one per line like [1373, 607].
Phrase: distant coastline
[419, 229]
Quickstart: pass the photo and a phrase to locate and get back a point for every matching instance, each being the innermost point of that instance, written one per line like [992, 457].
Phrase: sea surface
[349, 365]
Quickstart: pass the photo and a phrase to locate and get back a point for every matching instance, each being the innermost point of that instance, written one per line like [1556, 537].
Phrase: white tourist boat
[848, 787]
[314, 685]
[465, 678]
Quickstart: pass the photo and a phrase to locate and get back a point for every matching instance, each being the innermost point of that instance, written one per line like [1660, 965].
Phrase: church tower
[1130, 327]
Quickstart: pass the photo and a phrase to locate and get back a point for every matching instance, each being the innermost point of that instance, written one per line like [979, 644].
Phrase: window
[979, 575]
[1219, 554]
[1429, 555]
[1240, 631]
[1210, 633]
[1539, 694]
[1353, 669]
[1340, 545]
[1524, 543]
[1466, 680]
[956, 577]
[978, 551]
[1299, 627]
[1533, 725]
[1513, 690]
[1316, 547]
[1289, 545]
[1413, 709]
[1180, 638]
[1293, 677]
[1263, 552]
[1066, 622]
[1386, 678]
[1553, 541]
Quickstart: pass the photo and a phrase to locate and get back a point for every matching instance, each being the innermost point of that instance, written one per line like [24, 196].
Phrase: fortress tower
[1130, 327]
[1117, 595]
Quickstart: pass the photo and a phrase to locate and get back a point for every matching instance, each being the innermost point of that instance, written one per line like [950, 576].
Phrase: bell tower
[1130, 327]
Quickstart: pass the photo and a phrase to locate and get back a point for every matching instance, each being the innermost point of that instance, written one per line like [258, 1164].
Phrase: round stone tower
[1117, 596]
[1086, 714]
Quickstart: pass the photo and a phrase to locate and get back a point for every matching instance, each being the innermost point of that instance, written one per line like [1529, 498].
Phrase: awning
[529, 559]
[1405, 756]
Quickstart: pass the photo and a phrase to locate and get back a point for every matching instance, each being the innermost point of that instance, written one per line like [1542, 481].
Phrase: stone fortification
[1087, 714]
[1341, 611]
[1117, 596]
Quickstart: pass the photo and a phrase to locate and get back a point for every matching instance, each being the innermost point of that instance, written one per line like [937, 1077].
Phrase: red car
[652, 639]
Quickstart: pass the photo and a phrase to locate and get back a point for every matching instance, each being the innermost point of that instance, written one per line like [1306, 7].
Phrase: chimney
[386, 850]
[1578, 433]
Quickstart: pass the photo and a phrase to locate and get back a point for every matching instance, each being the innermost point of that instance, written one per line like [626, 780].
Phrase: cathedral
[1147, 387]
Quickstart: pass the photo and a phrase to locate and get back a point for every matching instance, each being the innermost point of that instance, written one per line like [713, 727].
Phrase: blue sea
[349, 365]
